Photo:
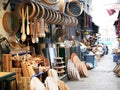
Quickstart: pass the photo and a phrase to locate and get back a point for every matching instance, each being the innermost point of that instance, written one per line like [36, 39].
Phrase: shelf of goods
[38, 10]
[25, 69]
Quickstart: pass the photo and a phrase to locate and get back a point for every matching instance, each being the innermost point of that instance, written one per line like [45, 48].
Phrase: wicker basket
[74, 8]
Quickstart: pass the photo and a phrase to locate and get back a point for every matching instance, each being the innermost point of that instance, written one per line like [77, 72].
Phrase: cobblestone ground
[100, 78]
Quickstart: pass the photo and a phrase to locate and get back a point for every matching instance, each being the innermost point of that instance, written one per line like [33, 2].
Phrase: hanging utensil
[36, 30]
[33, 30]
[23, 36]
[38, 26]
[46, 28]
[42, 27]
[28, 28]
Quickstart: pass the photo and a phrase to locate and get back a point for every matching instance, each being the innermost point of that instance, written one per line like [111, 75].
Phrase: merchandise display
[46, 43]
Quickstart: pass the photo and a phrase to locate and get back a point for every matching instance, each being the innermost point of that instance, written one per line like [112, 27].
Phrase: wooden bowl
[50, 15]
[46, 15]
[66, 20]
[56, 17]
[51, 2]
[42, 11]
[31, 7]
[59, 18]
[62, 19]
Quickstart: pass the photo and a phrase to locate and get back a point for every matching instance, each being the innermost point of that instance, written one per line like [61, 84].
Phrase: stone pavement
[100, 78]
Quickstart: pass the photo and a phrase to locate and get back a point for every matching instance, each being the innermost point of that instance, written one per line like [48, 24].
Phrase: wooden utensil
[33, 36]
[62, 6]
[27, 28]
[23, 36]
[32, 10]
[36, 31]
[42, 32]
[31, 28]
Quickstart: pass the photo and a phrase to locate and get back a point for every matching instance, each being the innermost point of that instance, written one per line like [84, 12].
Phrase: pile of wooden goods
[52, 82]
[116, 70]
[25, 67]
[76, 68]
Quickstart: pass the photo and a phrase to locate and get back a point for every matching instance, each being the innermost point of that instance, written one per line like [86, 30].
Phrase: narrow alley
[101, 77]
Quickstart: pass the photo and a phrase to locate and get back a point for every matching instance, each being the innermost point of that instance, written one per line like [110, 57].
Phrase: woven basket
[51, 2]
[74, 8]
[15, 22]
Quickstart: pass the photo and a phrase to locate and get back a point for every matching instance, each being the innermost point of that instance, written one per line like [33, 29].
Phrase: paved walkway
[100, 78]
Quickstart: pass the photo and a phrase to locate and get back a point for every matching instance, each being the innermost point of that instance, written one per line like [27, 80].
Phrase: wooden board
[7, 62]
[25, 69]
[25, 83]
[18, 76]
[84, 70]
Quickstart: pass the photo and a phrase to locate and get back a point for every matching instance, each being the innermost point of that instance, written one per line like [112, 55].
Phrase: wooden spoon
[23, 37]
[35, 38]
[37, 30]
[28, 28]
[32, 33]
[33, 30]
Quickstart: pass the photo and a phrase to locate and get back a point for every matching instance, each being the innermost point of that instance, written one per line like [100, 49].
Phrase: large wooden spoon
[23, 36]
[28, 28]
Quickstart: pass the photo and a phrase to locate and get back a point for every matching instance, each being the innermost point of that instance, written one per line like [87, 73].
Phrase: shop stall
[44, 35]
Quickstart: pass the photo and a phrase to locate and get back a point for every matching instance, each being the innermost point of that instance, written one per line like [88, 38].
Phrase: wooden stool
[8, 83]
[59, 66]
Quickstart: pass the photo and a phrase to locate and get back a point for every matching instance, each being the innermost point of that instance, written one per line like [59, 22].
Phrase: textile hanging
[111, 11]
[84, 20]
[90, 23]
[119, 25]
